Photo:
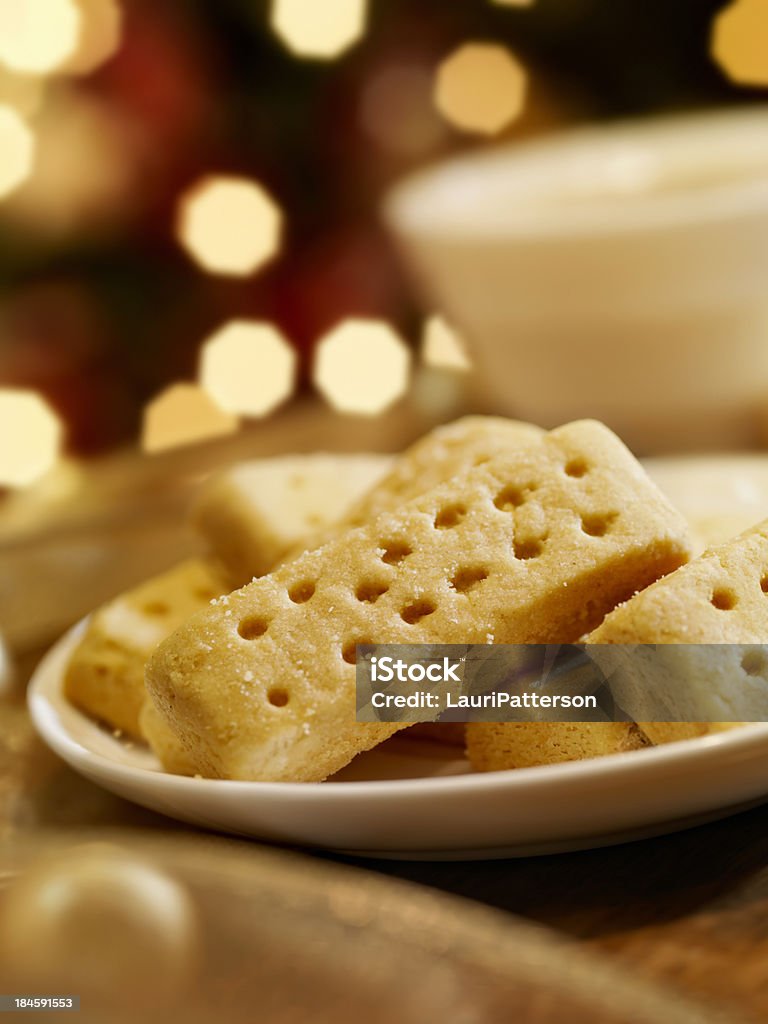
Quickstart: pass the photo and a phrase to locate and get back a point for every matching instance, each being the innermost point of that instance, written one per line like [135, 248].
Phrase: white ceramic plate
[416, 800]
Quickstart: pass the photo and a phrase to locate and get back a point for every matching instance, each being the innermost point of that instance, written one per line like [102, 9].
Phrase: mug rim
[429, 202]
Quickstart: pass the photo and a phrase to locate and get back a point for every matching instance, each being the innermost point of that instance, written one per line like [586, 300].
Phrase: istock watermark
[386, 669]
[562, 682]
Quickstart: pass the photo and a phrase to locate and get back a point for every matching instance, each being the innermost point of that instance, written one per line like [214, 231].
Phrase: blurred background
[102, 306]
[192, 247]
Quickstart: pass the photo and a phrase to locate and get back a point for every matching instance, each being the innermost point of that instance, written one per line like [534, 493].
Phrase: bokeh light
[480, 87]
[443, 348]
[101, 23]
[513, 3]
[229, 225]
[38, 36]
[17, 150]
[740, 41]
[248, 368]
[362, 366]
[319, 28]
[32, 437]
[184, 414]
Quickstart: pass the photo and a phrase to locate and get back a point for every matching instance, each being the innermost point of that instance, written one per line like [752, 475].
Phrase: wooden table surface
[689, 909]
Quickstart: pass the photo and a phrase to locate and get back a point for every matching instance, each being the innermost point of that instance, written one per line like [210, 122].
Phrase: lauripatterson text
[500, 699]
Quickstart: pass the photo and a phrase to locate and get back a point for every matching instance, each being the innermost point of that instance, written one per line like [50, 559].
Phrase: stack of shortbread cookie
[485, 531]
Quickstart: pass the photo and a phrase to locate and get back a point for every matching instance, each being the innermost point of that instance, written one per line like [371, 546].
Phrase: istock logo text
[384, 670]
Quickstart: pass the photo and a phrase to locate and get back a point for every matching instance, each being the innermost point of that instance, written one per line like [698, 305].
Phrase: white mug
[616, 272]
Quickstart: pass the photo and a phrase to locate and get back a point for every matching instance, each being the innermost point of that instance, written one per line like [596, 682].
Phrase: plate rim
[47, 723]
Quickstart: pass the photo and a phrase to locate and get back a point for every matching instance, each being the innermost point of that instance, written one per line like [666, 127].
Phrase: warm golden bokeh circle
[443, 348]
[17, 150]
[99, 38]
[362, 367]
[481, 87]
[37, 437]
[184, 414]
[320, 29]
[739, 42]
[229, 225]
[38, 36]
[248, 368]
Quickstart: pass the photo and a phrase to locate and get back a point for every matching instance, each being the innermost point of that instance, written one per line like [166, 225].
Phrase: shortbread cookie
[437, 457]
[105, 676]
[710, 620]
[680, 690]
[164, 743]
[496, 746]
[433, 460]
[534, 545]
[721, 597]
[255, 512]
